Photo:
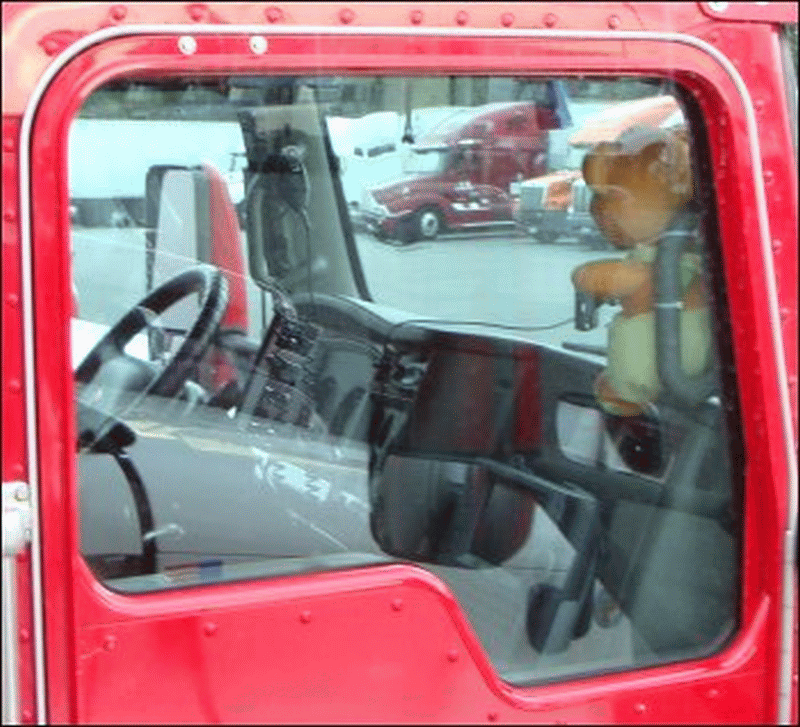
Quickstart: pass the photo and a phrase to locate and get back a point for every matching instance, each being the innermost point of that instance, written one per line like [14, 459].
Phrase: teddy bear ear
[672, 168]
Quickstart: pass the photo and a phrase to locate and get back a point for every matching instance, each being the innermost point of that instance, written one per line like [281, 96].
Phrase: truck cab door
[392, 507]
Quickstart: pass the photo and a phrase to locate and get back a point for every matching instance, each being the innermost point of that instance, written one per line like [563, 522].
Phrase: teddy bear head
[639, 181]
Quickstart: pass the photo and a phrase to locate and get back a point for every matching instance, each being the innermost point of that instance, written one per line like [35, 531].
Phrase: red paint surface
[226, 251]
[112, 658]
[226, 254]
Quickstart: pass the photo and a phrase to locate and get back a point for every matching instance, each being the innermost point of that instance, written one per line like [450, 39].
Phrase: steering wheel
[107, 363]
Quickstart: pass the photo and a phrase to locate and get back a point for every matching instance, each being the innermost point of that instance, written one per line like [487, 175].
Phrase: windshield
[426, 161]
[287, 362]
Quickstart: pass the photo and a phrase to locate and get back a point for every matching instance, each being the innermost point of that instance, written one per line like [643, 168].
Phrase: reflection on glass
[366, 340]
[426, 161]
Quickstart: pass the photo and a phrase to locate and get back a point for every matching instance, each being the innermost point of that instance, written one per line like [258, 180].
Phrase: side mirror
[178, 236]
[447, 512]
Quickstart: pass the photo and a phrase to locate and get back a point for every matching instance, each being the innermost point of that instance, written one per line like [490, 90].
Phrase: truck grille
[581, 196]
[531, 197]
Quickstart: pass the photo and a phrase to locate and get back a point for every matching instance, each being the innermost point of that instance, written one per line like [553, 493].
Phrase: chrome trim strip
[11, 696]
[790, 530]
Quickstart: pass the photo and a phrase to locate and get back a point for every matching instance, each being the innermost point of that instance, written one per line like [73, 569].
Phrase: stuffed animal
[640, 182]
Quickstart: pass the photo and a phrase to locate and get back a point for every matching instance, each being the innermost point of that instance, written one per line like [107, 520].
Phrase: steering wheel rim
[204, 280]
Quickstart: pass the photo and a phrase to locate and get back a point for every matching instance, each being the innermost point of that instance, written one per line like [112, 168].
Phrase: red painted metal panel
[14, 445]
[385, 643]
[14, 464]
[769, 12]
[115, 658]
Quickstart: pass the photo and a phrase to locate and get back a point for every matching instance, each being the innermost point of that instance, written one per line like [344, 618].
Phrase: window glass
[470, 323]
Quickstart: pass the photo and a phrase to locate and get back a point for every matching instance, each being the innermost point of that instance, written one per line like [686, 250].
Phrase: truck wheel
[428, 223]
[407, 230]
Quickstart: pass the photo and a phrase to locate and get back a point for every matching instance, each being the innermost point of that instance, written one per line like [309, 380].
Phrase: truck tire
[428, 223]
[407, 230]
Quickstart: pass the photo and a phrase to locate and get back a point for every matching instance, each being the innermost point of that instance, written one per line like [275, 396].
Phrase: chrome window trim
[790, 528]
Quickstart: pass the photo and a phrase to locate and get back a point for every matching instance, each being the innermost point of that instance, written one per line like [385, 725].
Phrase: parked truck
[457, 176]
[556, 206]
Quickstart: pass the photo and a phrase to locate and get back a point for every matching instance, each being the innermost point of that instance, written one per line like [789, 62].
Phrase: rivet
[462, 17]
[118, 12]
[305, 617]
[17, 470]
[197, 11]
[15, 386]
[492, 716]
[22, 492]
[274, 15]
[51, 47]
[110, 642]
[614, 22]
[785, 313]
[27, 715]
[452, 655]
[210, 628]
[9, 215]
[714, 37]
[550, 20]
[776, 245]
[187, 45]
[12, 299]
[415, 16]
[713, 693]
[8, 143]
[769, 177]
[759, 103]
[258, 44]
[507, 19]
[640, 707]
[346, 16]
[24, 636]
[397, 604]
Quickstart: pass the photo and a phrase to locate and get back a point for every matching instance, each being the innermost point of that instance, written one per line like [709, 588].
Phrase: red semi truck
[259, 466]
[458, 174]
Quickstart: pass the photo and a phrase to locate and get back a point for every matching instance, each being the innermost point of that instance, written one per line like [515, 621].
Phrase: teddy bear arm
[611, 279]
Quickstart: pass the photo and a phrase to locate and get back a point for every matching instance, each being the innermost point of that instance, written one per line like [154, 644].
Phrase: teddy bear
[641, 182]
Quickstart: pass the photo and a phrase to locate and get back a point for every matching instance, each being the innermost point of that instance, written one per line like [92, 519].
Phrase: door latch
[16, 517]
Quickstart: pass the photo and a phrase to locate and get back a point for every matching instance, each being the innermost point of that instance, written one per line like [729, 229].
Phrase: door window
[286, 365]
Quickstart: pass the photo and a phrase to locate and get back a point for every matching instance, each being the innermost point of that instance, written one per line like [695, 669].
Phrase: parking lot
[498, 276]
